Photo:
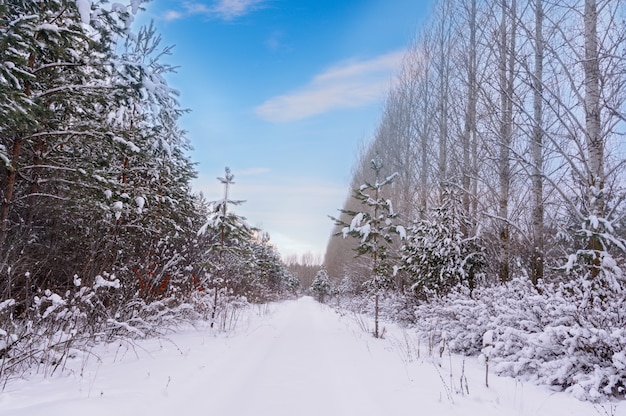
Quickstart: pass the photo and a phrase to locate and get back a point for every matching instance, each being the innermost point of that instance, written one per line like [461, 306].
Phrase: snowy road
[299, 359]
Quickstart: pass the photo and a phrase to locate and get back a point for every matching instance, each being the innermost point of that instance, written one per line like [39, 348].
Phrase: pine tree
[320, 286]
[437, 256]
[150, 199]
[56, 79]
[227, 236]
[373, 228]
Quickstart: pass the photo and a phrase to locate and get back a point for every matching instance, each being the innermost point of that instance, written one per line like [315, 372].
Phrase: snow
[117, 207]
[84, 9]
[296, 358]
[134, 5]
[141, 202]
[356, 221]
[365, 231]
[54, 300]
[48, 26]
[593, 221]
[6, 304]
[166, 147]
[488, 338]
[102, 282]
[132, 146]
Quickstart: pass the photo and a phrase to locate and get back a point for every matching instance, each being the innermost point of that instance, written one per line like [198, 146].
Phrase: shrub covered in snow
[57, 326]
[554, 336]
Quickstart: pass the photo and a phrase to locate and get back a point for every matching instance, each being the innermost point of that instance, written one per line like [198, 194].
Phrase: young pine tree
[373, 228]
[437, 256]
[227, 237]
[321, 285]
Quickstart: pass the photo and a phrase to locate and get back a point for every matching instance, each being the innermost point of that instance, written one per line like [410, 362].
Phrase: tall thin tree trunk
[537, 262]
[375, 260]
[12, 172]
[34, 184]
[507, 68]
[424, 142]
[443, 104]
[593, 136]
[469, 135]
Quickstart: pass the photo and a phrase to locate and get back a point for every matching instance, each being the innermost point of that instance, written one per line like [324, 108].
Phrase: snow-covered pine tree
[264, 277]
[150, 203]
[436, 255]
[56, 78]
[373, 227]
[227, 237]
[320, 287]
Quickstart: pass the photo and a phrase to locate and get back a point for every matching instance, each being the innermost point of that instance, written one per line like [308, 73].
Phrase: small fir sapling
[373, 228]
[229, 233]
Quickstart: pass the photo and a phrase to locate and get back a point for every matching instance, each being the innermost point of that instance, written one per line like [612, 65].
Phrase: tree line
[511, 115]
[490, 200]
[98, 220]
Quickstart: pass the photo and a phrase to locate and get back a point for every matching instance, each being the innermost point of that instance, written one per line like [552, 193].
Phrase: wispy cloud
[218, 9]
[351, 84]
[253, 171]
[172, 15]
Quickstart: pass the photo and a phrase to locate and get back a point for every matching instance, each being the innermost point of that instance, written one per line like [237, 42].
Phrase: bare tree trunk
[424, 146]
[593, 136]
[507, 68]
[443, 97]
[377, 165]
[425, 139]
[469, 134]
[537, 261]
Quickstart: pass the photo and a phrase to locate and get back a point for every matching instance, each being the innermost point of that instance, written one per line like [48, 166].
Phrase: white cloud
[229, 9]
[352, 84]
[172, 15]
[219, 9]
[274, 41]
[252, 171]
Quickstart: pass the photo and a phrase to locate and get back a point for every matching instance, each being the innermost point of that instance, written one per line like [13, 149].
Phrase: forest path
[305, 361]
[298, 358]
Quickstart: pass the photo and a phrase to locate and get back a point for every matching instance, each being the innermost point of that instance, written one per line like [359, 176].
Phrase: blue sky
[282, 92]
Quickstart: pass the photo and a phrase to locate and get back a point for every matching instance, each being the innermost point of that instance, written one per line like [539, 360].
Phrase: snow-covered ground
[298, 358]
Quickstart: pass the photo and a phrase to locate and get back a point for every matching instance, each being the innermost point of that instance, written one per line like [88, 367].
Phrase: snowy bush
[53, 326]
[225, 313]
[57, 326]
[393, 306]
[553, 337]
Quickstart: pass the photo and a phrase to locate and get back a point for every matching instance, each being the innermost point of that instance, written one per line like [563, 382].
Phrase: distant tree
[303, 267]
[320, 286]
[270, 277]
